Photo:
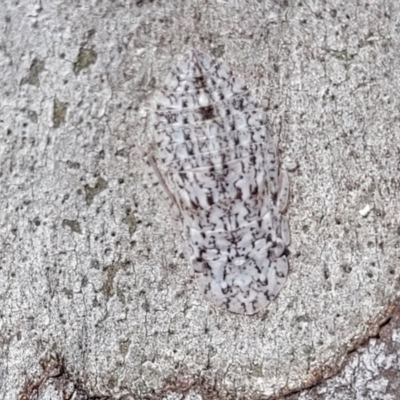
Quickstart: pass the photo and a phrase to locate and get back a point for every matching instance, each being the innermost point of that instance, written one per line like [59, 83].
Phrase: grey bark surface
[95, 295]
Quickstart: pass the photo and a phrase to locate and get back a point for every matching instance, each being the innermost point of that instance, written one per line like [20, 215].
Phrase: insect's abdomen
[221, 171]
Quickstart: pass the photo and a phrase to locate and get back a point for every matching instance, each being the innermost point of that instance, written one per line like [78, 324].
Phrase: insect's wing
[222, 172]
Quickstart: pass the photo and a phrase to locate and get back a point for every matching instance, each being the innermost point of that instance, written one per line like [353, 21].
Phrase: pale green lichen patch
[85, 58]
[73, 225]
[91, 192]
[131, 221]
[108, 286]
[32, 115]
[59, 113]
[36, 68]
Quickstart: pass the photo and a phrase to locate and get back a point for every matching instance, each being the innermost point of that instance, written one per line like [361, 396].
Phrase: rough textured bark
[96, 299]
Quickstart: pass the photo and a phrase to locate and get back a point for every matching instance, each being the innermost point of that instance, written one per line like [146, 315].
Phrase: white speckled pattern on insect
[216, 161]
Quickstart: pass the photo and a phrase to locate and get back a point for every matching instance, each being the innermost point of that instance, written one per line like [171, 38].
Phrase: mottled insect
[216, 161]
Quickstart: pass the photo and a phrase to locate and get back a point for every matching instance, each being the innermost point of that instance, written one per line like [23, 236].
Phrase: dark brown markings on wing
[207, 113]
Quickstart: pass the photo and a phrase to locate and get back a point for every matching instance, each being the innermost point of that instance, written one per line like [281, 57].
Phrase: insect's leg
[283, 191]
[176, 213]
[282, 203]
[285, 231]
[271, 164]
